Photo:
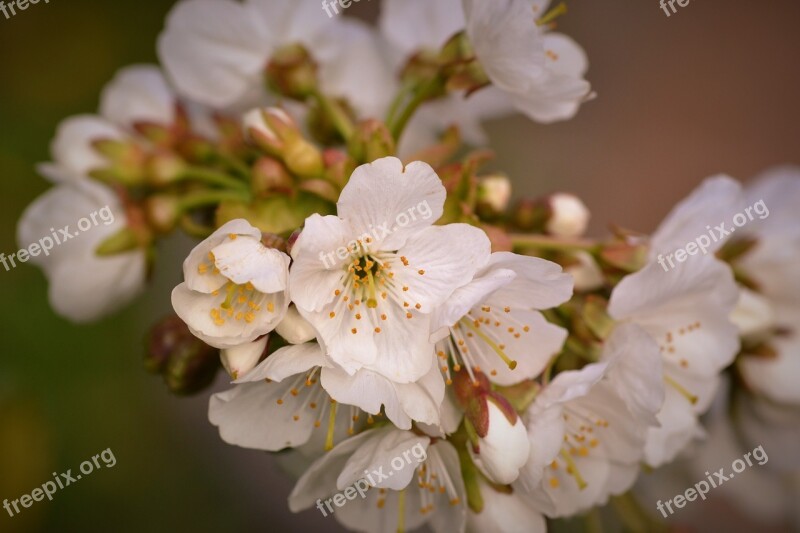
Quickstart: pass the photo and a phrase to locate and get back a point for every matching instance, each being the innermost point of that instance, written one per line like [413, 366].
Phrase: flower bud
[164, 168]
[126, 158]
[187, 363]
[292, 72]
[275, 132]
[269, 175]
[504, 449]
[162, 212]
[241, 359]
[372, 140]
[294, 328]
[494, 193]
[569, 216]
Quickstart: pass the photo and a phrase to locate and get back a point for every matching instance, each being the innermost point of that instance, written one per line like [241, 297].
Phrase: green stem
[213, 177]
[205, 198]
[546, 242]
[420, 95]
[334, 111]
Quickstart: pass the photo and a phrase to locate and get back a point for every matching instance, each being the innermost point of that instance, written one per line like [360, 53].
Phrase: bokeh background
[711, 89]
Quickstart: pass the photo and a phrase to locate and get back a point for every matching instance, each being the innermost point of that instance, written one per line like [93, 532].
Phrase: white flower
[280, 404]
[234, 289]
[83, 286]
[587, 428]
[493, 322]
[495, 191]
[242, 358]
[365, 391]
[542, 73]
[407, 481]
[569, 217]
[216, 52]
[773, 264]
[686, 311]
[504, 448]
[368, 279]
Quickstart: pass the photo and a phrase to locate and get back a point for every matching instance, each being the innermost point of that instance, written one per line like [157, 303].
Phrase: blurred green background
[713, 88]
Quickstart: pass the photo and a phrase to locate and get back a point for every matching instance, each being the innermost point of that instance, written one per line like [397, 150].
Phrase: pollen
[554, 482]
[354, 331]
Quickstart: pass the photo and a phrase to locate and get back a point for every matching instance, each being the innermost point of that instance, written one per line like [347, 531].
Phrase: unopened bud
[294, 328]
[241, 359]
[292, 72]
[126, 162]
[372, 140]
[164, 168]
[162, 212]
[187, 363]
[505, 447]
[569, 216]
[494, 193]
[303, 158]
[269, 175]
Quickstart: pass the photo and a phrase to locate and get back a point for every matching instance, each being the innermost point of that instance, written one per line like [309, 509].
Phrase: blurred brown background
[713, 88]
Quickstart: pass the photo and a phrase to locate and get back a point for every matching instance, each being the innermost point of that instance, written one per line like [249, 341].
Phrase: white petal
[686, 311]
[571, 384]
[287, 362]
[539, 284]
[246, 260]
[505, 513]
[249, 415]
[507, 41]
[138, 93]
[213, 51]
[317, 270]
[383, 195]
[411, 25]
[115, 280]
[377, 453]
[353, 67]
[211, 281]
[715, 201]
[468, 296]
[402, 402]
[679, 426]
[441, 259]
[637, 372]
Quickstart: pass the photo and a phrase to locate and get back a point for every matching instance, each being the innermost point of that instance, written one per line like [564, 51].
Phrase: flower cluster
[366, 286]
